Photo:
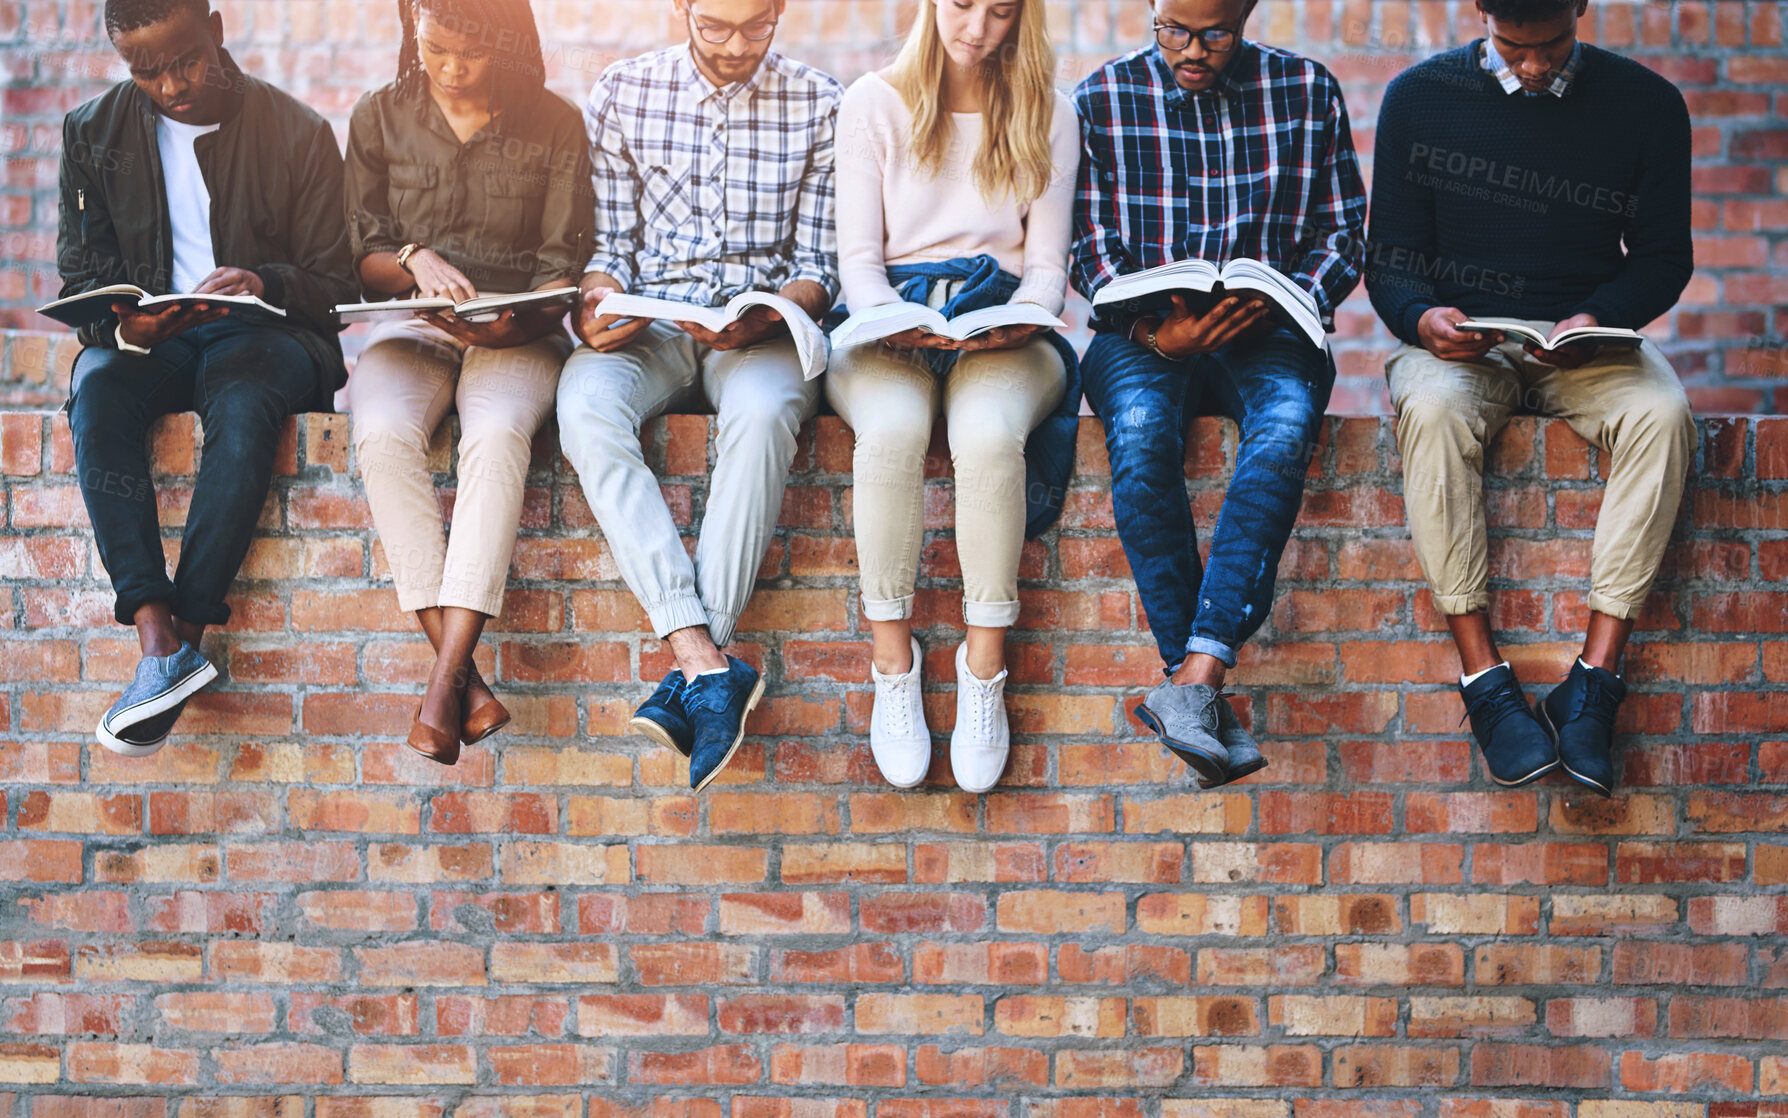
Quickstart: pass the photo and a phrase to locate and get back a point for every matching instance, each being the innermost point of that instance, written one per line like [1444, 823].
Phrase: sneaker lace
[899, 712]
[982, 692]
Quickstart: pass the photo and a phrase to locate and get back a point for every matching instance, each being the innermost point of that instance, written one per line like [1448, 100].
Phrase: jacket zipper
[81, 204]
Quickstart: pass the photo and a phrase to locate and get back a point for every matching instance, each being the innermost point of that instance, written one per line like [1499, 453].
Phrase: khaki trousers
[1627, 402]
[991, 401]
[410, 375]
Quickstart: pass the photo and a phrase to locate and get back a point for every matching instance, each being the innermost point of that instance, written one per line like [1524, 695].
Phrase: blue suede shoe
[718, 705]
[663, 718]
[1517, 747]
[139, 722]
[1580, 713]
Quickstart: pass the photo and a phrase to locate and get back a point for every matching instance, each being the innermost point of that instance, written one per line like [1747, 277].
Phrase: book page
[966, 326]
[877, 323]
[1181, 275]
[669, 310]
[810, 340]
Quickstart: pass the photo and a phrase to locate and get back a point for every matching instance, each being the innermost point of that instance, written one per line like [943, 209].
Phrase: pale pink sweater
[891, 212]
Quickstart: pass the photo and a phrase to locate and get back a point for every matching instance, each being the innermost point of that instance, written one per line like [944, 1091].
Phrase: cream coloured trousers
[991, 401]
[407, 379]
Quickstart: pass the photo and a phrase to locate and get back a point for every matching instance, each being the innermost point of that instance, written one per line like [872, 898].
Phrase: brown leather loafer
[484, 722]
[442, 748]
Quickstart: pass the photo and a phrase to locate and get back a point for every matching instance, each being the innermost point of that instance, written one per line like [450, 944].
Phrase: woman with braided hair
[465, 177]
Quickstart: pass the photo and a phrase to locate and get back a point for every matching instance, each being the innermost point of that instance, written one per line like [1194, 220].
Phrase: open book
[885, 321]
[1293, 303]
[485, 308]
[96, 306]
[810, 341]
[1597, 335]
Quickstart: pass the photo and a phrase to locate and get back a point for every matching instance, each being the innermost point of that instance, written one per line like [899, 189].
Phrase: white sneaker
[898, 736]
[983, 737]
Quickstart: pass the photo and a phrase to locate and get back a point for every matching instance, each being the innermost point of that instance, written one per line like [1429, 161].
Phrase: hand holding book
[915, 326]
[757, 324]
[148, 329]
[512, 326]
[999, 337]
[1570, 343]
[1186, 333]
[1242, 278]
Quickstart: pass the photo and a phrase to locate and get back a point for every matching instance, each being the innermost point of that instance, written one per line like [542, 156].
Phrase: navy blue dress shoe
[1517, 747]
[1580, 712]
[663, 718]
[718, 704]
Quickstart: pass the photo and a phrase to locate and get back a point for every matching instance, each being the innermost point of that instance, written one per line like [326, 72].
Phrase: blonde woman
[956, 170]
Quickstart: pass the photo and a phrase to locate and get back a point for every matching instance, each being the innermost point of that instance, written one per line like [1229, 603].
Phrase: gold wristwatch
[404, 254]
[1148, 339]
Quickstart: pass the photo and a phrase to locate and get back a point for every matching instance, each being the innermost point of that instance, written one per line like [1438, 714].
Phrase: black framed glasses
[720, 34]
[1217, 40]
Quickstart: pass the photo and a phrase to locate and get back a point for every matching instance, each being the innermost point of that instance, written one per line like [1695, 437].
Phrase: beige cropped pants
[410, 375]
[1628, 402]
[991, 401]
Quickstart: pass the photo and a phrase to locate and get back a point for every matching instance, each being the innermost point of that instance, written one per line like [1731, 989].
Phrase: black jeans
[243, 380]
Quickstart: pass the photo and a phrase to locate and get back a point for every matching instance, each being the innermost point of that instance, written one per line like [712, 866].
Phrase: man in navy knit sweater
[1531, 178]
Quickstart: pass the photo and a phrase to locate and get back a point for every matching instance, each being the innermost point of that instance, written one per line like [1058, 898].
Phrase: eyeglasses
[720, 34]
[1217, 40]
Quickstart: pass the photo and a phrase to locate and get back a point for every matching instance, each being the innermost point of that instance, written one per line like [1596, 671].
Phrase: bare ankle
[1201, 668]
[894, 663]
[696, 652]
[892, 647]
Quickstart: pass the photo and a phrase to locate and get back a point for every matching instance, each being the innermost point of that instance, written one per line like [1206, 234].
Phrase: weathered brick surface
[1726, 337]
[286, 914]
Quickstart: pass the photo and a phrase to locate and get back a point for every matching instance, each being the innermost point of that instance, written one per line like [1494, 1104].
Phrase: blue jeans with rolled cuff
[1276, 388]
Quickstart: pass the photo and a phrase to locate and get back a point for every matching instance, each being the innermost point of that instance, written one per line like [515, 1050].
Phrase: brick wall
[286, 905]
[1726, 337]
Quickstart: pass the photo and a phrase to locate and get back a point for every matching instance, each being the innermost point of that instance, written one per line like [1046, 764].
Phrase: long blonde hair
[1018, 104]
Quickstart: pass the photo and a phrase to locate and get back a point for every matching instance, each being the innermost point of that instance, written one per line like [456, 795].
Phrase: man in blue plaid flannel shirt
[714, 176]
[1206, 145]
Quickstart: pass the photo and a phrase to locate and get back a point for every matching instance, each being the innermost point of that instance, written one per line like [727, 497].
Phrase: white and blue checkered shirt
[705, 192]
[1491, 60]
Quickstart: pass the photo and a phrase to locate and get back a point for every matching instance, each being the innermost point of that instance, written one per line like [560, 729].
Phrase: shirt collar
[1494, 65]
[1229, 81]
[690, 76]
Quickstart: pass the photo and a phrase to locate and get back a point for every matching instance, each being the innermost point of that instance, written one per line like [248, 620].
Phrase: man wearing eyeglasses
[713, 166]
[1208, 146]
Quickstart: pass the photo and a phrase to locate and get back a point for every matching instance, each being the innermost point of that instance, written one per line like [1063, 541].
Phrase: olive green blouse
[511, 208]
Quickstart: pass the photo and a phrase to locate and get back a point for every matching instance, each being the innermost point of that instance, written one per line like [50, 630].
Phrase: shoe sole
[1236, 774]
[646, 728]
[149, 708]
[1204, 764]
[757, 692]
[492, 732]
[127, 748]
[1595, 786]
